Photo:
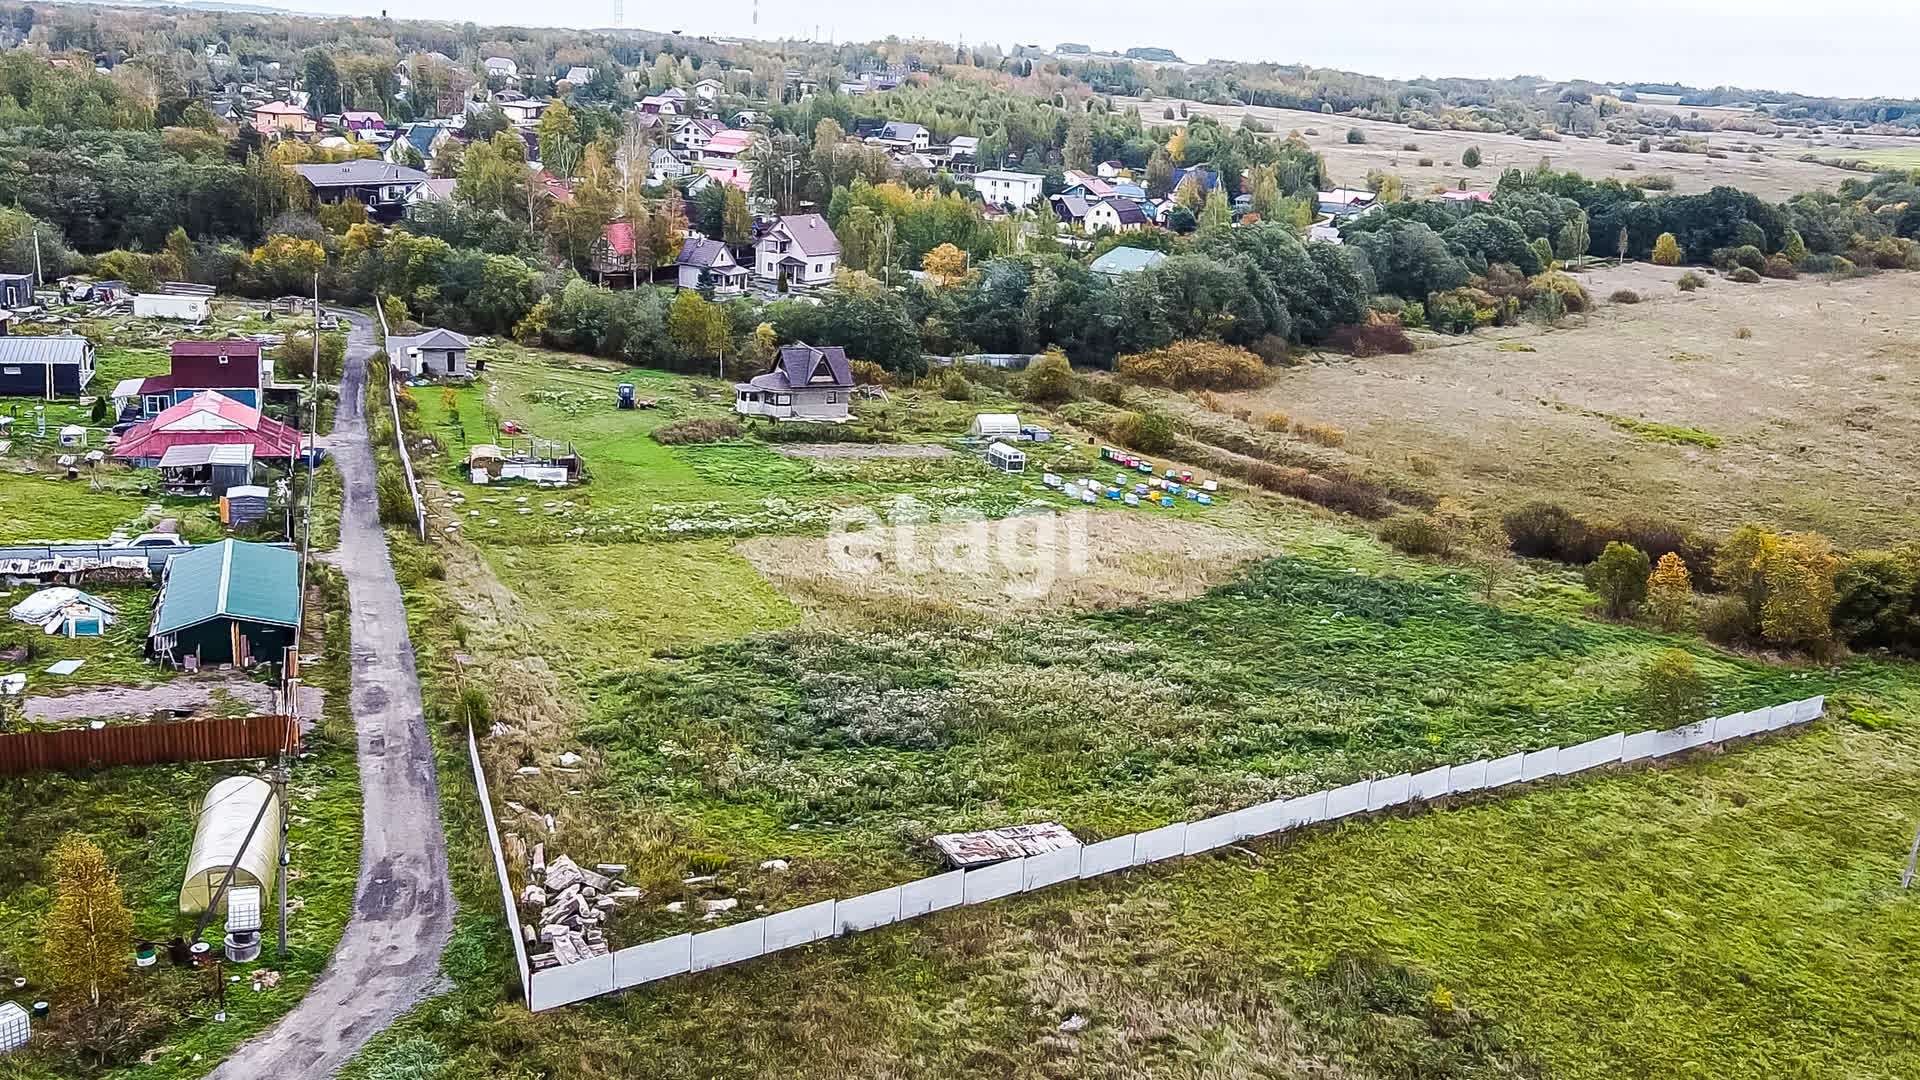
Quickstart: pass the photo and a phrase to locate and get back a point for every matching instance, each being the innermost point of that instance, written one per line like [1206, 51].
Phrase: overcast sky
[1840, 47]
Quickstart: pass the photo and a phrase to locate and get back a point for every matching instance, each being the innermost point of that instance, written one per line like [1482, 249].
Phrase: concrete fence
[399, 435]
[685, 953]
[500, 866]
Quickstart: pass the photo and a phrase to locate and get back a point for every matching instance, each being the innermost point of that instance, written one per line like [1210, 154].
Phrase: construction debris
[573, 903]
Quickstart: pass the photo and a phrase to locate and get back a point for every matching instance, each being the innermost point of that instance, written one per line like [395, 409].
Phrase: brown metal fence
[216, 739]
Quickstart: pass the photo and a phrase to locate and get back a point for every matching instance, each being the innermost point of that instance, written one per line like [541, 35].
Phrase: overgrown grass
[1668, 433]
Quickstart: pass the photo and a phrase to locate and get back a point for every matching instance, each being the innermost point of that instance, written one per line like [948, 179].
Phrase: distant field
[1776, 176]
[1904, 158]
[1817, 413]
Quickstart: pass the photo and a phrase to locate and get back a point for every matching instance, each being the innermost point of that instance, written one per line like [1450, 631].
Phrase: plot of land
[860, 450]
[1778, 174]
[1817, 412]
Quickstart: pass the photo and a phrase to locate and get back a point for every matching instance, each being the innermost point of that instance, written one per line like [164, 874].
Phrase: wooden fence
[216, 739]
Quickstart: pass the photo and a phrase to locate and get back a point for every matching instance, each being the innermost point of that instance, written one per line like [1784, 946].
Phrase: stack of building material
[574, 902]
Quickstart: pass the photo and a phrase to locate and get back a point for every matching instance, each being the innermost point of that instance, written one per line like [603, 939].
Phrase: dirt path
[389, 957]
[146, 702]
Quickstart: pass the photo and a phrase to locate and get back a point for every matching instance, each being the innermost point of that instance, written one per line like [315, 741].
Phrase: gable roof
[359, 173]
[809, 232]
[902, 131]
[700, 251]
[432, 339]
[209, 365]
[55, 349]
[728, 141]
[1128, 212]
[1069, 207]
[619, 236]
[230, 579]
[800, 366]
[209, 417]
[278, 108]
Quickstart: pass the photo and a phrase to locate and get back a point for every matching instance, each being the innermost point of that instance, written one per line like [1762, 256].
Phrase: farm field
[1815, 412]
[1778, 175]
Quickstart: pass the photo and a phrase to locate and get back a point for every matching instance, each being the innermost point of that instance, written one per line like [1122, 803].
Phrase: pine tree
[1795, 248]
[90, 930]
[1666, 250]
[1670, 592]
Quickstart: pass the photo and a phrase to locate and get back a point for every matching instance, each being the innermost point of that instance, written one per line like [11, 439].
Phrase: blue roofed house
[227, 603]
[422, 137]
[1126, 260]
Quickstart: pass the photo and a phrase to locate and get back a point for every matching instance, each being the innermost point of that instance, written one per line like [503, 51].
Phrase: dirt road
[389, 957]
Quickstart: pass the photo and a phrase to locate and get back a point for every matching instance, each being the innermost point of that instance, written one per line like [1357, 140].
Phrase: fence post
[399, 436]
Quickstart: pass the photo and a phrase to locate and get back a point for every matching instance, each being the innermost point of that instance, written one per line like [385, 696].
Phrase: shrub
[390, 492]
[1619, 578]
[1624, 296]
[1149, 433]
[1670, 592]
[1744, 276]
[955, 387]
[1666, 251]
[1323, 434]
[1743, 334]
[1672, 693]
[700, 430]
[1380, 334]
[1426, 163]
[1653, 183]
[1470, 157]
[1422, 465]
[1572, 295]
[1545, 530]
[1333, 490]
[1416, 534]
[1690, 281]
[866, 372]
[1779, 266]
[1048, 379]
[1276, 421]
[1355, 136]
[1272, 350]
[1194, 365]
[1745, 255]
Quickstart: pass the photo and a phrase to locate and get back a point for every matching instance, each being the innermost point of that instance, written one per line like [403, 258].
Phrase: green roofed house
[227, 603]
[1126, 260]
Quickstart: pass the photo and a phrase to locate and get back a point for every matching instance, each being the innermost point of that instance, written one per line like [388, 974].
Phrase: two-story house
[806, 383]
[799, 247]
[1004, 188]
[233, 368]
[379, 185]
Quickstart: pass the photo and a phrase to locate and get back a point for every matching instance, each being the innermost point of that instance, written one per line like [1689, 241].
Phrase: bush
[1619, 578]
[1470, 158]
[1572, 295]
[1150, 433]
[1416, 534]
[1323, 434]
[1355, 136]
[1624, 296]
[390, 491]
[1380, 334]
[1272, 350]
[1544, 530]
[955, 387]
[1666, 251]
[1690, 281]
[1195, 365]
[1744, 276]
[1672, 693]
[1743, 334]
[1779, 266]
[702, 430]
[866, 372]
[1048, 379]
[1276, 421]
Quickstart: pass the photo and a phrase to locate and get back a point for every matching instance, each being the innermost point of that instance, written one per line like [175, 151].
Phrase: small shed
[205, 469]
[226, 815]
[995, 426]
[167, 306]
[16, 290]
[1006, 458]
[227, 603]
[244, 505]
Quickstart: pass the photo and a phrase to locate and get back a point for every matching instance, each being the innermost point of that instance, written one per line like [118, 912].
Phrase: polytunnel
[226, 815]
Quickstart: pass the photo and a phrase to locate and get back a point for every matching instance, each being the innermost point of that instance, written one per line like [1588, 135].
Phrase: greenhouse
[228, 813]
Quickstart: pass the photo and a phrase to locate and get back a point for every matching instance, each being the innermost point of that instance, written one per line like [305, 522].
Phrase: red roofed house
[208, 419]
[616, 253]
[234, 368]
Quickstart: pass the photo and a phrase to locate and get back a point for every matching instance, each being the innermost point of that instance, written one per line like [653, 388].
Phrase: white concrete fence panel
[684, 953]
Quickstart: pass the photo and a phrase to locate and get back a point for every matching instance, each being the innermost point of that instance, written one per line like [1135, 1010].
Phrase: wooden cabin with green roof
[227, 603]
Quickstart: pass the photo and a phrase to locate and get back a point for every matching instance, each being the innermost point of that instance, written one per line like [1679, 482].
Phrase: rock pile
[573, 903]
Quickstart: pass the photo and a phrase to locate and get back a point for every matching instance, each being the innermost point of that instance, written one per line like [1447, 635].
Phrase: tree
[89, 929]
[487, 123]
[1666, 250]
[559, 139]
[736, 226]
[323, 83]
[1470, 157]
[690, 322]
[1573, 239]
[1619, 578]
[1800, 574]
[1356, 136]
[945, 265]
[1191, 193]
[1672, 693]
[1266, 196]
[1048, 379]
[1795, 247]
[1078, 153]
[1215, 216]
[1670, 592]
[1159, 173]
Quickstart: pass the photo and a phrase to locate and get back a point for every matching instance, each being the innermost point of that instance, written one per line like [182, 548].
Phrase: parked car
[155, 540]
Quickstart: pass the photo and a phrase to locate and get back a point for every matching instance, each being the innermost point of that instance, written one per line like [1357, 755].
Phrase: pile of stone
[574, 902]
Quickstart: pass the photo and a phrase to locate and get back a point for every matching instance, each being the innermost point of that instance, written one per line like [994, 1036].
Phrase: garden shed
[995, 426]
[227, 603]
[1006, 458]
[226, 815]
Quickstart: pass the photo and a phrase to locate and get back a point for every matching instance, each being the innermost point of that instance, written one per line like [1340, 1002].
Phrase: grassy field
[738, 691]
[1905, 157]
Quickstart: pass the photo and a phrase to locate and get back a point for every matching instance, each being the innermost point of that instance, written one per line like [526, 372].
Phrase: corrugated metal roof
[235, 579]
[62, 349]
[207, 454]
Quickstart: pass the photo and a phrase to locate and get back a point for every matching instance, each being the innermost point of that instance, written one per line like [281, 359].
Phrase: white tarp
[60, 609]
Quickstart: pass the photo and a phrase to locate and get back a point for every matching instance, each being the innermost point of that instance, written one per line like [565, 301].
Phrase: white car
[155, 540]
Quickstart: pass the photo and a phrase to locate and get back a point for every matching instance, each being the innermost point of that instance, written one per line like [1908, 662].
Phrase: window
[9, 371]
[156, 403]
[833, 397]
[783, 399]
[816, 268]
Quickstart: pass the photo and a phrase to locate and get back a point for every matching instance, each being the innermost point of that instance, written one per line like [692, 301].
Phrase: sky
[1839, 47]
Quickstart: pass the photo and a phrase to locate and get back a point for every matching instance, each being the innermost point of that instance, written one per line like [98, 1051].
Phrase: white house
[1005, 188]
[1118, 215]
[709, 89]
[805, 384]
[800, 246]
[436, 352]
[502, 66]
[701, 258]
[691, 134]
[905, 134]
[1109, 170]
